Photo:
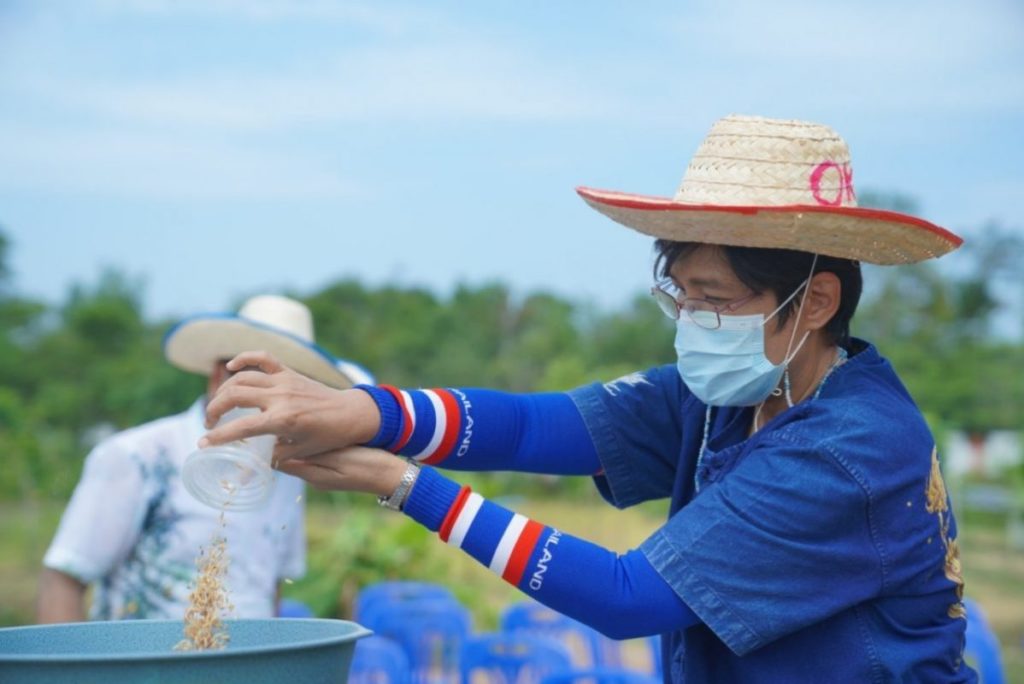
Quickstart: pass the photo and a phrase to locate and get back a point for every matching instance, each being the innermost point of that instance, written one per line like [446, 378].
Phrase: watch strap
[397, 498]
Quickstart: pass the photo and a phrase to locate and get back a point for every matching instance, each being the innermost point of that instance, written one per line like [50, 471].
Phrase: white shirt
[134, 530]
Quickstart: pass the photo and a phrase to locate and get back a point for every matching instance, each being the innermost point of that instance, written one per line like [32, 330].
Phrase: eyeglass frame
[661, 295]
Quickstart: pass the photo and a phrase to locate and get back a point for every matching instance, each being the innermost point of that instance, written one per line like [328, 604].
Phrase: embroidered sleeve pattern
[473, 429]
[620, 596]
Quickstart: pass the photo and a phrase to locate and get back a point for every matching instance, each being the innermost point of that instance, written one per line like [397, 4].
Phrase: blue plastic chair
[383, 593]
[601, 675]
[586, 646]
[379, 660]
[654, 644]
[505, 658]
[981, 650]
[290, 608]
[431, 632]
[641, 655]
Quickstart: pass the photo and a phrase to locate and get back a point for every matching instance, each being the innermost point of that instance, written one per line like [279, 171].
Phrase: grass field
[994, 574]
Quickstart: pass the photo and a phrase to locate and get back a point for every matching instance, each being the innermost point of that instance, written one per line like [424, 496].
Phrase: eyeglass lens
[699, 311]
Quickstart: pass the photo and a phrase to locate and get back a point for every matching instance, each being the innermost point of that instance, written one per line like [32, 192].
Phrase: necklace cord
[841, 356]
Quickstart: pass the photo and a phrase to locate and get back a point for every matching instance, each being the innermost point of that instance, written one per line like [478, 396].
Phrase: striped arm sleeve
[621, 596]
[476, 429]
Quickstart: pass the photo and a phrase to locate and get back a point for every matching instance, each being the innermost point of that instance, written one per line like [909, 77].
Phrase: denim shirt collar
[728, 438]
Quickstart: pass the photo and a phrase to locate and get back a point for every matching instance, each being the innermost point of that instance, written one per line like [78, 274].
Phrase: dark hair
[780, 271]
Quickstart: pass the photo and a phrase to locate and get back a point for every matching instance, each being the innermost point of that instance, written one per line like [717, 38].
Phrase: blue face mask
[727, 366]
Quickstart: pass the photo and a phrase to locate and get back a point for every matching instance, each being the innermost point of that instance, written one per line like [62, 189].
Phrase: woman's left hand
[355, 469]
[306, 416]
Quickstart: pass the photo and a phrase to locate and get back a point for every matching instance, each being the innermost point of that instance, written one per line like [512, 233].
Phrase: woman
[809, 535]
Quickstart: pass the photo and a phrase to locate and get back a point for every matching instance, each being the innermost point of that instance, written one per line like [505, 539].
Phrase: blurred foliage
[344, 558]
[72, 372]
[937, 330]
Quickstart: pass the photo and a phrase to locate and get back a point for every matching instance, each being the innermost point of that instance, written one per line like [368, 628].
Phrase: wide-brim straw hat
[758, 182]
[278, 325]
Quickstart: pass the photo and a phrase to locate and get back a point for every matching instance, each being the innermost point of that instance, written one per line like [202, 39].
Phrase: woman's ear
[822, 300]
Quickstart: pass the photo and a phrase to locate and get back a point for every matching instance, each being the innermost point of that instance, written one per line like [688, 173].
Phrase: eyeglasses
[672, 302]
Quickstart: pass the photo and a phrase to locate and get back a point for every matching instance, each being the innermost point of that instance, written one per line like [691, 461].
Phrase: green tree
[936, 324]
[95, 360]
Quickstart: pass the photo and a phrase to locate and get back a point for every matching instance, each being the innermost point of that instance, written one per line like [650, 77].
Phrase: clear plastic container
[236, 476]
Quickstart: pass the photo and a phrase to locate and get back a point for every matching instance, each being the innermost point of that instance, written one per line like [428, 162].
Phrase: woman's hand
[307, 417]
[356, 469]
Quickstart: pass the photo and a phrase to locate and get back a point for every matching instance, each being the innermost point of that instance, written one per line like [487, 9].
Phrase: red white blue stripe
[475, 429]
[431, 422]
[502, 540]
[620, 595]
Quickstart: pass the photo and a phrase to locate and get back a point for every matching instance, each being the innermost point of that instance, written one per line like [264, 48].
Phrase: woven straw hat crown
[754, 161]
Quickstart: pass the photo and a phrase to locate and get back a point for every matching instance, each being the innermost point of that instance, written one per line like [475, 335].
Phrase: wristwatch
[397, 498]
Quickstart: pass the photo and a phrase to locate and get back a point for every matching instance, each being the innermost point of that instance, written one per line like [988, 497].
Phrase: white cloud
[204, 132]
[877, 57]
[888, 73]
[797, 56]
[427, 83]
[876, 33]
[142, 165]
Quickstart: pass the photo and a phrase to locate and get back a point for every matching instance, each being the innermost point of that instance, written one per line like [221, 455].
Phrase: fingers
[285, 451]
[251, 378]
[240, 428]
[244, 390]
[260, 359]
[358, 469]
[316, 475]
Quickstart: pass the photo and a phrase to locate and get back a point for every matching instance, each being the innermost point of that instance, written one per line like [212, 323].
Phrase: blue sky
[217, 148]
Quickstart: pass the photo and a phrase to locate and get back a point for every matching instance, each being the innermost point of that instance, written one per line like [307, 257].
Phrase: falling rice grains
[208, 602]
[204, 626]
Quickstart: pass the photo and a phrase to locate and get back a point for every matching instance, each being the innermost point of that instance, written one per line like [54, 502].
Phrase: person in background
[133, 531]
[810, 537]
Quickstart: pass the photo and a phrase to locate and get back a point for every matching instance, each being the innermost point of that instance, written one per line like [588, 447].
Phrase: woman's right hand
[356, 469]
[307, 416]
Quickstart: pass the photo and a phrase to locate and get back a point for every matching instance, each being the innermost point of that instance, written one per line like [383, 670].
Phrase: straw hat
[757, 182]
[279, 325]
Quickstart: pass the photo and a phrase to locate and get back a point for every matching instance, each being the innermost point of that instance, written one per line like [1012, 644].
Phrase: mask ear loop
[807, 287]
[789, 357]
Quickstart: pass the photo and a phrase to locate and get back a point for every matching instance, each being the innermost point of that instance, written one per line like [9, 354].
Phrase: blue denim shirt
[820, 549]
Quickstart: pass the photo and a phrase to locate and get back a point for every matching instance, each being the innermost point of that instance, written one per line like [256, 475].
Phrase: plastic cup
[236, 476]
